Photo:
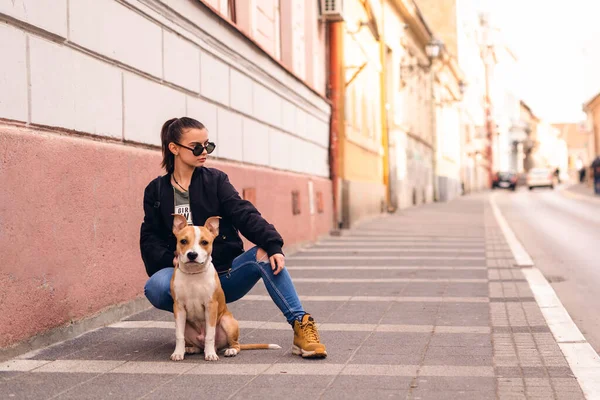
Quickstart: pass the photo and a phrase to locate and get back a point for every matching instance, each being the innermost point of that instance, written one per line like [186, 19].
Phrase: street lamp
[433, 49]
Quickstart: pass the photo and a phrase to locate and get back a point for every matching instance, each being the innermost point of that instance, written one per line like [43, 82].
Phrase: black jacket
[211, 194]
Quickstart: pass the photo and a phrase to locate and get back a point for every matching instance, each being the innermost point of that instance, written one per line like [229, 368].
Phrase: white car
[540, 177]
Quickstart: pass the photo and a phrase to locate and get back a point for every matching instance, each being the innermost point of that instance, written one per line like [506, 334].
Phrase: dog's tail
[261, 346]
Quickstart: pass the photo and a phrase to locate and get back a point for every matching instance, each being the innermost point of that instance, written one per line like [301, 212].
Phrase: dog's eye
[204, 243]
[183, 241]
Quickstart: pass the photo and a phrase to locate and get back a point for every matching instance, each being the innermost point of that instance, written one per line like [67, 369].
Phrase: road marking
[382, 268]
[221, 368]
[292, 258]
[582, 359]
[85, 366]
[325, 327]
[390, 280]
[397, 299]
[520, 254]
[21, 365]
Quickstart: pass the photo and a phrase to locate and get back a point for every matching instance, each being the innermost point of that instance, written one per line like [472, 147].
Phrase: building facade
[592, 110]
[409, 106]
[85, 87]
[362, 190]
[579, 141]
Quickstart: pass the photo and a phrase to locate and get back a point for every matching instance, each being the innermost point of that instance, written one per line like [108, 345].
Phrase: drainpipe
[385, 141]
[336, 96]
[488, 121]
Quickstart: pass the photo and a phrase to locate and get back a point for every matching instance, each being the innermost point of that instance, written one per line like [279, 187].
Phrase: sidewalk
[582, 191]
[421, 305]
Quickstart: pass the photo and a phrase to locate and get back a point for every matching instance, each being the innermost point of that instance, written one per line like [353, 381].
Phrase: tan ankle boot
[306, 339]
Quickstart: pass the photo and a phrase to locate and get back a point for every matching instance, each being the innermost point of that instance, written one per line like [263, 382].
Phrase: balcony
[519, 131]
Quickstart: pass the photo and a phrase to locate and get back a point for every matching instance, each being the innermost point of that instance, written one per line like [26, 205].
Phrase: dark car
[505, 180]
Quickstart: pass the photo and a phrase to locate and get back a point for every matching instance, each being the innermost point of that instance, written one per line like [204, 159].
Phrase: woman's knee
[158, 289]
[261, 255]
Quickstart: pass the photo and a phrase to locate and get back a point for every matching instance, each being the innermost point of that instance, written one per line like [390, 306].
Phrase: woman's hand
[277, 263]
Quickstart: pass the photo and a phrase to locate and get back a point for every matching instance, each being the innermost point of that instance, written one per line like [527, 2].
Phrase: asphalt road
[562, 235]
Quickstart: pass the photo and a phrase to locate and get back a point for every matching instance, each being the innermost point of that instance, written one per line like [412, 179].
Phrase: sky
[554, 43]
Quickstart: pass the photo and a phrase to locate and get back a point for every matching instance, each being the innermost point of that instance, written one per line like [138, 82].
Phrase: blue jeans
[245, 272]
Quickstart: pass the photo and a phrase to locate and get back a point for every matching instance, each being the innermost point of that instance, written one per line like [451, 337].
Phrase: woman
[198, 193]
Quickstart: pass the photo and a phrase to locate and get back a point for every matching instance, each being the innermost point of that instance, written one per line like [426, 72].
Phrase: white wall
[120, 69]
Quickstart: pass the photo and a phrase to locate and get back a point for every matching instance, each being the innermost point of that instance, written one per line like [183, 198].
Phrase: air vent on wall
[332, 10]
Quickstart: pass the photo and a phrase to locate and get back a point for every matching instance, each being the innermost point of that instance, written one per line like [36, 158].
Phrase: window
[250, 195]
[295, 202]
[231, 14]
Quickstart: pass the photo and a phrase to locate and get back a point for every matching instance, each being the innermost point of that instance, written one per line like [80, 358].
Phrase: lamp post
[486, 51]
[434, 48]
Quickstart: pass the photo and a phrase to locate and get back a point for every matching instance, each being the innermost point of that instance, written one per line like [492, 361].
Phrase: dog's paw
[177, 356]
[231, 352]
[211, 357]
[193, 350]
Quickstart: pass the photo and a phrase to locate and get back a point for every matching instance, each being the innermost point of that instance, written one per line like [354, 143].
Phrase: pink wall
[70, 213]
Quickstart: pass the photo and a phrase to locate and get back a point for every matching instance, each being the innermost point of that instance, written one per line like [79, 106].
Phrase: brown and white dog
[202, 320]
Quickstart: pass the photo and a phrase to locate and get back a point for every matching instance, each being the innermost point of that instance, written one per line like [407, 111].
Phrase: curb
[582, 358]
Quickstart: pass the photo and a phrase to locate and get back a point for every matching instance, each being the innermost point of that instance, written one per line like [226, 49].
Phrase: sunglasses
[199, 148]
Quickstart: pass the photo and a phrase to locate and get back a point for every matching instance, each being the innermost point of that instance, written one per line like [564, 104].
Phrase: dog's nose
[192, 255]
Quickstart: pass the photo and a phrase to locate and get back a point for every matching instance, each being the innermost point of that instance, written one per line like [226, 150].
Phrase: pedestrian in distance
[197, 192]
[595, 167]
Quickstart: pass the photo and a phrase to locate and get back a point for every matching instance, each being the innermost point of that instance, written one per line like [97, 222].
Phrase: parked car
[505, 180]
[541, 177]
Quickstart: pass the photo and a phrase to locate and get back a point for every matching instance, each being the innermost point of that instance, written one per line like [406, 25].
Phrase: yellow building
[361, 152]
[592, 110]
[397, 80]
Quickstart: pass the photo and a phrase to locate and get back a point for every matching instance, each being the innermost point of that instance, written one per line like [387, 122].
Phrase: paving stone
[124, 386]
[452, 395]
[364, 313]
[459, 351]
[512, 299]
[451, 359]
[364, 356]
[464, 340]
[7, 375]
[152, 314]
[467, 290]
[412, 313]
[40, 385]
[372, 382]
[453, 384]
[127, 346]
[440, 273]
[398, 262]
[86, 341]
[194, 387]
[513, 356]
[344, 394]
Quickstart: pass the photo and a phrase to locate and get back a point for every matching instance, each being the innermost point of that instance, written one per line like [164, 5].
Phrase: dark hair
[171, 131]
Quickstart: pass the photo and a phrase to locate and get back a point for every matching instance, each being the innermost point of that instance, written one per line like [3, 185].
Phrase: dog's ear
[212, 224]
[179, 222]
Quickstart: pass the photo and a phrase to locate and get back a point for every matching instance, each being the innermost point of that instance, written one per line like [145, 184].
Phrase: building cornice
[592, 103]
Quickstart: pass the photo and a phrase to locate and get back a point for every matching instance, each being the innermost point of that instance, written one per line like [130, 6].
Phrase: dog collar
[189, 273]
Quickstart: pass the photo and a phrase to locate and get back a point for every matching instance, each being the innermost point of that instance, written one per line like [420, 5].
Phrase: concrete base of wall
[410, 195]
[72, 329]
[70, 214]
[448, 188]
[361, 200]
